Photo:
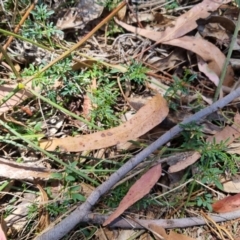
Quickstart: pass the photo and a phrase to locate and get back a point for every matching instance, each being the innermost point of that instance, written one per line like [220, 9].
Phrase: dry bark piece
[21, 171]
[185, 163]
[86, 11]
[18, 217]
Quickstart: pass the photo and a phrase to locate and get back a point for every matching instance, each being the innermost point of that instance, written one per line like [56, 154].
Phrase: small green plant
[109, 4]
[193, 136]
[71, 191]
[41, 13]
[104, 98]
[171, 5]
[113, 28]
[179, 87]
[40, 27]
[32, 211]
[136, 73]
[214, 162]
[55, 209]
[205, 201]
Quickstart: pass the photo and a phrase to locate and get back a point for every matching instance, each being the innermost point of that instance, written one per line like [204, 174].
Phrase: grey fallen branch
[127, 223]
[77, 216]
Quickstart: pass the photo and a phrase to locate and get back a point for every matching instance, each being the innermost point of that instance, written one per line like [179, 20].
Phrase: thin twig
[126, 223]
[61, 229]
[10, 63]
[19, 25]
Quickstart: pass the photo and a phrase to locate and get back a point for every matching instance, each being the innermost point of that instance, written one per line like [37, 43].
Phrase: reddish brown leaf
[144, 120]
[137, 191]
[227, 204]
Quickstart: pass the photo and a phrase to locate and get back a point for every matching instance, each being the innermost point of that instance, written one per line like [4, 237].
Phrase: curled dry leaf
[43, 213]
[227, 204]
[137, 191]
[208, 52]
[203, 67]
[85, 11]
[144, 120]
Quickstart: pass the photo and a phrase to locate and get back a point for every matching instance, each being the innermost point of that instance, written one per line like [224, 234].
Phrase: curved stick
[61, 229]
[128, 223]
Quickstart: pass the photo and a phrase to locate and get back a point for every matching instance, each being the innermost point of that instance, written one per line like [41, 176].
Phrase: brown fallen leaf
[176, 236]
[144, 120]
[208, 52]
[157, 230]
[227, 204]
[232, 186]
[229, 133]
[185, 163]
[184, 24]
[85, 11]
[43, 213]
[203, 67]
[137, 191]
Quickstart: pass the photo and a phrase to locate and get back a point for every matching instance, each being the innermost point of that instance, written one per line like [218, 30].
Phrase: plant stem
[5, 32]
[10, 63]
[224, 70]
[64, 110]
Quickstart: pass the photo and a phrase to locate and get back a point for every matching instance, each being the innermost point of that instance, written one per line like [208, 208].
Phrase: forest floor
[103, 130]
